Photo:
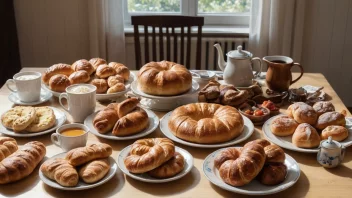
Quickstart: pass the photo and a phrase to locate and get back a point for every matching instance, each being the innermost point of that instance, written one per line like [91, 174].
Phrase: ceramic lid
[330, 144]
[239, 53]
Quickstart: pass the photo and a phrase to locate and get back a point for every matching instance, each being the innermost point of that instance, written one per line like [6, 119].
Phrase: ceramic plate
[165, 105]
[254, 187]
[153, 124]
[135, 89]
[45, 95]
[60, 119]
[286, 142]
[247, 132]
[81, 185]
[145, 177]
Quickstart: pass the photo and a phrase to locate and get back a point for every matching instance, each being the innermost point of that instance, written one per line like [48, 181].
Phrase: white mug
[28, 86]
[80, 104]
[68, 143]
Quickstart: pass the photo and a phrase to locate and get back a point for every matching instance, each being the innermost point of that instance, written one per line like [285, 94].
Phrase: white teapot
[238, 68]
[331, 153]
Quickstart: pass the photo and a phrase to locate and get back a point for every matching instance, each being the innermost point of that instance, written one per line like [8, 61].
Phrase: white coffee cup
[81, 101]
[28, 86]
[68, 143]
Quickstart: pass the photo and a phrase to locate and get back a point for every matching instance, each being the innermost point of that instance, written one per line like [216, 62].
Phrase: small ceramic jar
[331, 153]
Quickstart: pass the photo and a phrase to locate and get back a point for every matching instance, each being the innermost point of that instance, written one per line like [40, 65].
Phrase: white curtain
[106, 33]
[276, 28]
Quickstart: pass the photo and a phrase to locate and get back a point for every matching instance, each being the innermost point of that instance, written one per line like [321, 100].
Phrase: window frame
[190, 8]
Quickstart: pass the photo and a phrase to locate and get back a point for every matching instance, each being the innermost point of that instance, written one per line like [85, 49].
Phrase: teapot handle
[343, 151]
[300, 76]
[257, 74]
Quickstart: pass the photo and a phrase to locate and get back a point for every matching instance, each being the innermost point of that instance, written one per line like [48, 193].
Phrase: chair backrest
[167, 22]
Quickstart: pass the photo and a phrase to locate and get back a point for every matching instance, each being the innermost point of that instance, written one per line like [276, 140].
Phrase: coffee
[80, 89]
[72, 132]
[27, 77]
[279, 61]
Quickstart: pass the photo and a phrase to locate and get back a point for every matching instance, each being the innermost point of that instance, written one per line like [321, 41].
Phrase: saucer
[44, 96]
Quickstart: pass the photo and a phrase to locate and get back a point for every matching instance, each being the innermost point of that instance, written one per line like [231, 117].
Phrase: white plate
[166, 105]
[153, 124]
[286, 142]
[254, 187]
[81, 185]
[247, 132]
[60, 119]
[44, 96]
[101, 96]
[145, 177]
[135, 89]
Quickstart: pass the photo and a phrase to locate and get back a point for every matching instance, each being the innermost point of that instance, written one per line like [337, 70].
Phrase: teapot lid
[330, 144]
[239, 53]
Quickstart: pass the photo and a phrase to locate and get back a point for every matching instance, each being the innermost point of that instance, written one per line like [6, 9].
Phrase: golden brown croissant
[22, 162]
[170, 168]
[7, 147]
[134, 122]
[82, 155]
[94, 171]
[224, 155]
[61, 171]
[127, 106]
[105, 120]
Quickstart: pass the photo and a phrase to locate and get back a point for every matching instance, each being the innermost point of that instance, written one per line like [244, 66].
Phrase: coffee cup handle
[63, 95]
[300, 76]
[55, 140]
[8, 85]
[257, 74]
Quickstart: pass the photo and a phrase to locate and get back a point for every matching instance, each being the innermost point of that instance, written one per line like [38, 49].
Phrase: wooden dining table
[314, 180]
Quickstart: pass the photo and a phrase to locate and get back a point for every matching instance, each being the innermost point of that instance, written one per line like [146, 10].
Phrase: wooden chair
[167, 22]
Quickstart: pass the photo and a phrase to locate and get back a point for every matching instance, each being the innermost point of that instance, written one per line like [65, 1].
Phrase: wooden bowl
[257, 120]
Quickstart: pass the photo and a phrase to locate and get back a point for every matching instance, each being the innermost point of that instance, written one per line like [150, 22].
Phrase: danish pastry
[44, 119]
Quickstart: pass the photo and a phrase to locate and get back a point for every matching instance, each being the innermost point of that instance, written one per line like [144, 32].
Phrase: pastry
[263, 142]
[337, 133]
[59, 68]
[148, 154]
[113, 80]
[302, 113]
[283, 126]
[106, 119]
[22, 162]
[44, 119]
[18, 118]
[78, 77]
[7, 147]
[59, 83]
[229, 95]
[116, 88]
[121, 69]
[305, 136]
[170, 168]
[101, 84]
[104, 71]
[164, 78]
[273, 174]
[127, 106]
[95, 62]
[83, 65]
[206, 123]
[94, 171]
[330, 118]
[323, 107]
[132, 123]
[61, 171]
[210, 92]
[82, 155]
[274, 154]
[226, 154]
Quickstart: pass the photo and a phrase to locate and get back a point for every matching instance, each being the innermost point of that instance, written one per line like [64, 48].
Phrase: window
[215, 12]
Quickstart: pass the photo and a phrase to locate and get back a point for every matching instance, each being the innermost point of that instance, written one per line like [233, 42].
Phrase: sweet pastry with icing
[283, 126]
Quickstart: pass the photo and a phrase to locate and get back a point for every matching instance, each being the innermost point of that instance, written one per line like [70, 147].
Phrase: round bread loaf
[78, 77]
[274, 154]
[170, 168]
[59, 82]
[337, 133]
[323, 107]
[273, 174]
[59, 68]
[101, 84]
[283, 126]
[121, 70]
[83, 64]
[164, 78]
[206, 123]
[306, 136]
[330, 118]
[95, 62]
[302, 113]
[104, 71]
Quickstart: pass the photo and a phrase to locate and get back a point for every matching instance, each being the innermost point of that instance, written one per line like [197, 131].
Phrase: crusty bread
[44, 119]
[61, 171]
[59, 83]
[330, 118]
[78, 77]
[273, 174]
[323, 107]
[95, 62]
[94, 171]
[306, 136]
[104, 71]
[18, 118]
[283, 126]
[170, 168]
[106, 119]
[302, 113]
[59, 68]
[121, 69]
[337, 133]
[7, 147]
[132, 123]
[82, 155]
[83, 65]
[101, 84]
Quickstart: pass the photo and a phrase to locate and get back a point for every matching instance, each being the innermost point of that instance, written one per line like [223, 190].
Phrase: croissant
[22, 162]
[94, 171]
[105, 120]
[127, 106]
[227, 154]
[132, 123]
[7, 147]
[82, 155]
[61, 171]
[170, 168]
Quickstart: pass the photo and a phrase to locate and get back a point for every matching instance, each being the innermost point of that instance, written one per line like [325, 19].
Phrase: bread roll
[306, 136]
[104, 71]
[330, 118]
[83, 64]
[121, 70]
[7, 147]
[132, 123]
[283, 126]
[226, 154]
[116, 88]
[95, 62]
[229, 95]
[147, 154]
[337, 133]
[59, 83]
[59, 68]
[273, 174]
[170, 168]
[302, 113]
[127, 106]
[22, 162]
[44, 119]
[323, 107]
[94, 171]
[113, 80]
[263, 142]
[78, 77]
[82, 155]
[106, 119]
[101, 84]
[274, 154]
[61, 171]
[18, 118]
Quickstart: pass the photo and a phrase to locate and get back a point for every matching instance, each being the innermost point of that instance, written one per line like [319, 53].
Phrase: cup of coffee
[28, 86]
[70, 136]
[81, 101]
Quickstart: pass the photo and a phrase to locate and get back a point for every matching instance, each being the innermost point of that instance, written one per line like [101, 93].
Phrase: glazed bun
[83, 64]
[104, 71]
[95, 62]
[302, 113]
[101, 84]
[337, 133]
[323, 107]
[283, 126]
[121, 69]
[330, 118]
[59, 82]
[79, 77]
[306, 136]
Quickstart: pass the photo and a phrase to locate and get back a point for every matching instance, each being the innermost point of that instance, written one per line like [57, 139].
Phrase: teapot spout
[221, 61]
